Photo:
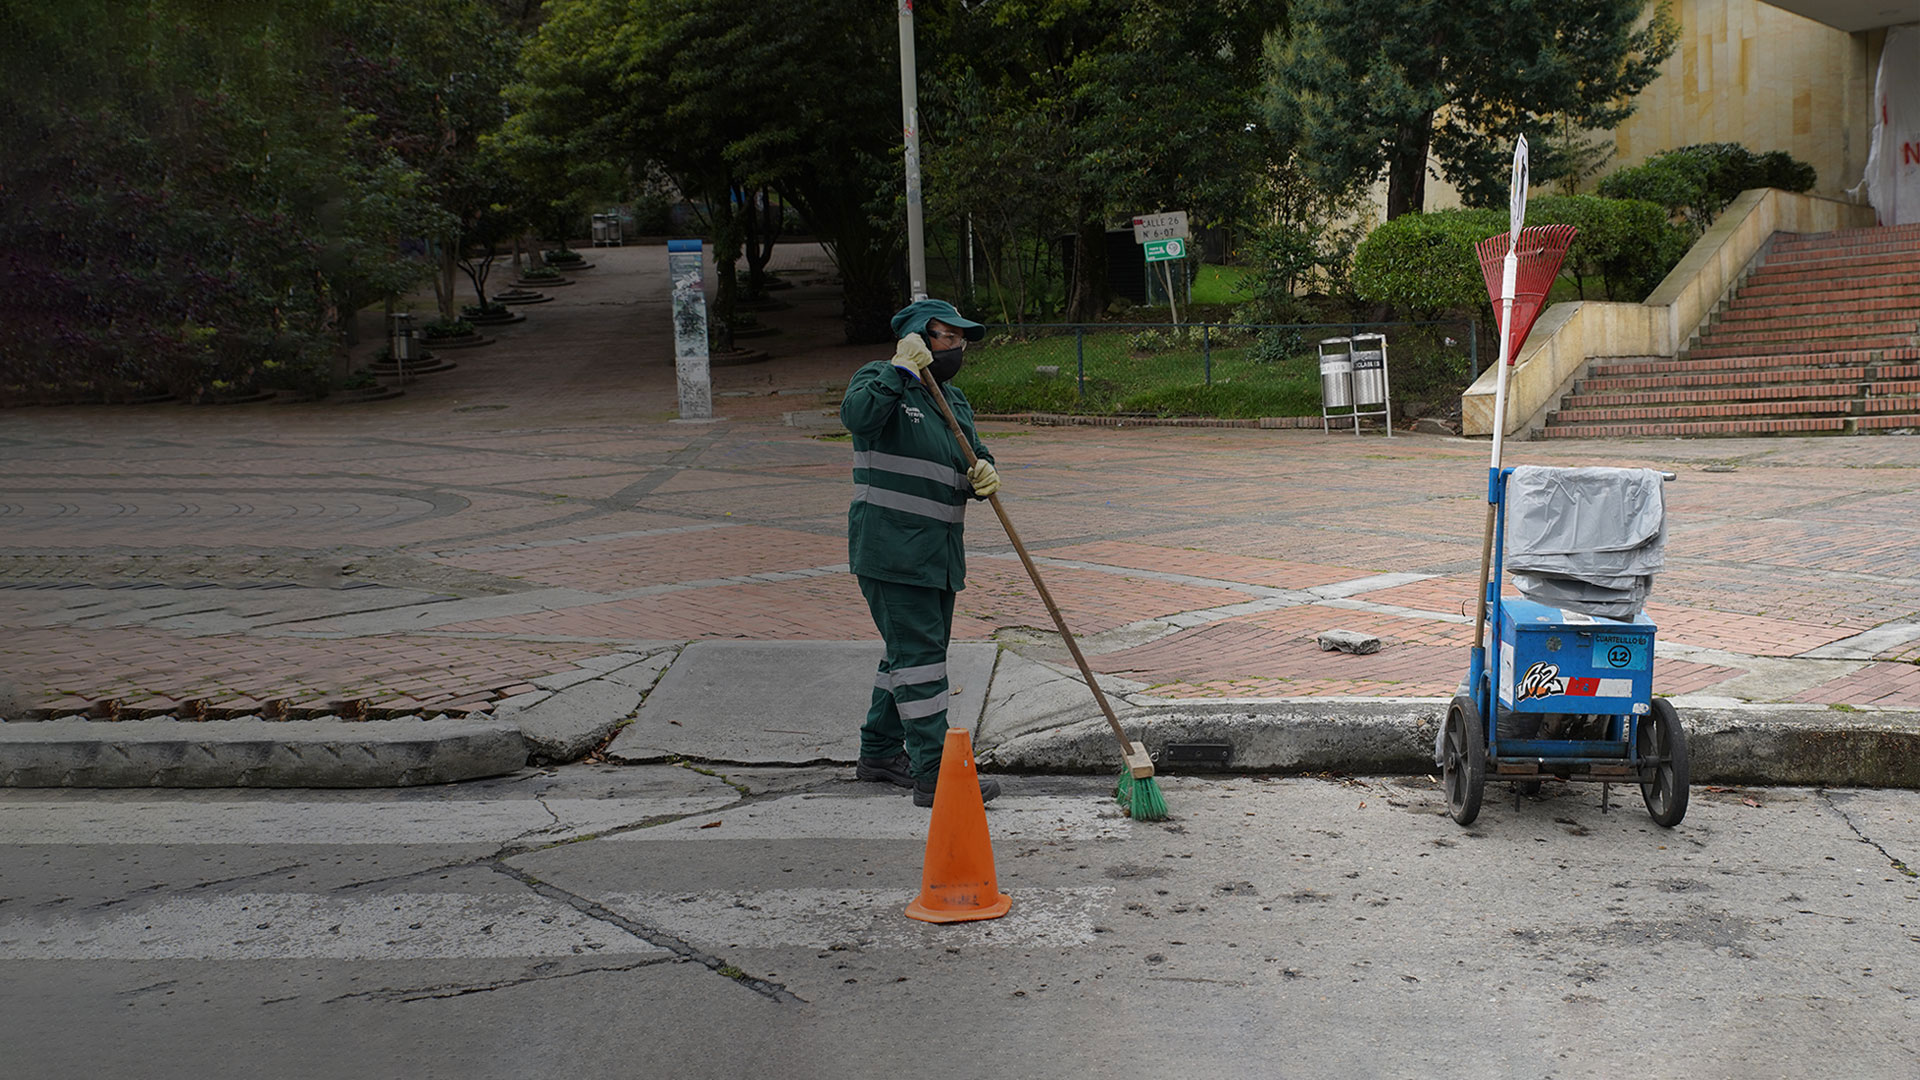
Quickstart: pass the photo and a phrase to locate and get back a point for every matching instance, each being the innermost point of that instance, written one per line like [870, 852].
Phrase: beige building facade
[1767, 78]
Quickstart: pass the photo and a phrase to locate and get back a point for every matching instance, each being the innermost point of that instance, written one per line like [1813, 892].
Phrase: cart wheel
[1664, 785]
[1464, 770]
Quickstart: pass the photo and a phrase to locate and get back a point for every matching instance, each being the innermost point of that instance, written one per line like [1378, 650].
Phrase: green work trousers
[910, 692]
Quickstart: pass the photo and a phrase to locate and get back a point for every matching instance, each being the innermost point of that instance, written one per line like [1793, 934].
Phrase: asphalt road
[659, 921]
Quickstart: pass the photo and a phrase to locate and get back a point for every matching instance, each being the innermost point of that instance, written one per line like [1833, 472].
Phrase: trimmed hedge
[1697, 182]
[1425, 263]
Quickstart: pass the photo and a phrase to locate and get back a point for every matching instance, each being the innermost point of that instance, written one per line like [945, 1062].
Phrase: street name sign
[1150, 227]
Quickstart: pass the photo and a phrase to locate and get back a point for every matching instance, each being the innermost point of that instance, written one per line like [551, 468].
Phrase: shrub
[1697, 182]
[1625, 245]
[1426, 264]
[441, 329]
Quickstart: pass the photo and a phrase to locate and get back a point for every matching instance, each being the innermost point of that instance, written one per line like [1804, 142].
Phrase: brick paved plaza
[523, 511]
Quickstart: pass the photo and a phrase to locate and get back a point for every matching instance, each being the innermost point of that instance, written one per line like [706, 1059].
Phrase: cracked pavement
[717, 922]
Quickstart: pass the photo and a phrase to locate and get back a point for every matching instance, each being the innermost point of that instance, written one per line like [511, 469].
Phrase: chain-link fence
[1207, 369]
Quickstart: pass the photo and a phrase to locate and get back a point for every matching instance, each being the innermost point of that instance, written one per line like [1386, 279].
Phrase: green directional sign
[1162, 250]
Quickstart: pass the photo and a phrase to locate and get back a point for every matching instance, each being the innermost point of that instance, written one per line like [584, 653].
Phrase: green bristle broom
[1138, 792]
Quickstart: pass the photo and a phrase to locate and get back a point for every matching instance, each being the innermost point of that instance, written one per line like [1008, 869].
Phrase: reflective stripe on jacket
[910, 486]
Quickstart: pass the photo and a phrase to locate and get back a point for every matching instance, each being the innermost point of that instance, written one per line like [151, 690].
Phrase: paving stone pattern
[165, 557]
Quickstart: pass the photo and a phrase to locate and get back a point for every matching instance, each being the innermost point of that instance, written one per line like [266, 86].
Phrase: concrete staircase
[1823, 336]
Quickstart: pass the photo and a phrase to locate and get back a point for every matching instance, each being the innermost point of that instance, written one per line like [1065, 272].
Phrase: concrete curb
[328, 753]
[1754, 744]
[1043, 725]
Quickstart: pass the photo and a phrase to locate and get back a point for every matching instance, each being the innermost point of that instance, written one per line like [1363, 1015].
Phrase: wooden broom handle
[1033, 571]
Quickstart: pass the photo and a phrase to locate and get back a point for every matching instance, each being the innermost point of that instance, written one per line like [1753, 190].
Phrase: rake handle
[1026, 560]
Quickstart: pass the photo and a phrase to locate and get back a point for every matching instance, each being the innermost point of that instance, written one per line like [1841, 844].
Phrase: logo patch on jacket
[913, 411]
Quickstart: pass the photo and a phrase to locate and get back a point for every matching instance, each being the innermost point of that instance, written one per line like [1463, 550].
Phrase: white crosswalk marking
[869, 918]
[266, 926]
[274, 822]
[842, 817]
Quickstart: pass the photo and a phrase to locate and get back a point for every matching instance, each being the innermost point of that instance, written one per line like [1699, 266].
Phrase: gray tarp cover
[1586, 539]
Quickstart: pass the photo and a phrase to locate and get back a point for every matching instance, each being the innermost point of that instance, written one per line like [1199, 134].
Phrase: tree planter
[540, 283]
[386, 368]
[363, 394]
[736, 357]
[464, 341]
[521, 296]
[503, 319]
[249, 398]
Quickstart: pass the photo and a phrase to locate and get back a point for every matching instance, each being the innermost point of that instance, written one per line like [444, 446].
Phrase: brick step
[1910, 231]
[1799, 346]
[1664, 365]
[1888, 421]
[1788, 332]
[1870, 286]
[1843, 255]
[1839, 279]
[1750, 320]
[1618, 398]
[1841, 238]
[1888, 300]
[1737, 410]
[1713, 383]
[1718, 385]
[1811, 425]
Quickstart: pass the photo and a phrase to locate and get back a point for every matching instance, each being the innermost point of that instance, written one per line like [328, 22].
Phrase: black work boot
[923, 790]
[894, 770]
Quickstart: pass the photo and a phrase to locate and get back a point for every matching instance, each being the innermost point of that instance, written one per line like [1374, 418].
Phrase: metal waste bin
[400, 339]
[1336, 373]
[615, 234]
[599, 230]
[1369, 369]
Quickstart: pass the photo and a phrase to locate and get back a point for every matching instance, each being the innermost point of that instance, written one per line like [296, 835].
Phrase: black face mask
[946, 363]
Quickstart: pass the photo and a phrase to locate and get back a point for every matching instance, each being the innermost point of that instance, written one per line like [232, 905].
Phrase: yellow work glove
[985, 480]
[911, 355]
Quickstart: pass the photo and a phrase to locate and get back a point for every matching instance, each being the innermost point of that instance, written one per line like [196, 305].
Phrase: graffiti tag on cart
[1542, 680]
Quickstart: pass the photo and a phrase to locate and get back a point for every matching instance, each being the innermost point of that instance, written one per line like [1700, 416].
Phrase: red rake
[1541, 250]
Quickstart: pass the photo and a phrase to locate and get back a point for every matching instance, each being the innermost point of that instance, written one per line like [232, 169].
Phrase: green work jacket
[910, 487]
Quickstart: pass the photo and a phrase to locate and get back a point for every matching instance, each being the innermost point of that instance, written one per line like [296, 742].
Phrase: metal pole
[1080, 359]
[910, 124]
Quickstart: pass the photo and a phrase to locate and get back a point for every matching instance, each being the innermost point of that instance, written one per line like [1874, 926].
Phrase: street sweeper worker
[911, 485]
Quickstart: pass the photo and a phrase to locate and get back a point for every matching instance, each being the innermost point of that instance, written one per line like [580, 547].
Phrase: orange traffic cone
[958, 883]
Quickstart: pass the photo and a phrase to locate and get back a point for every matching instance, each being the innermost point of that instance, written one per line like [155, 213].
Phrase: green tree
[190, 206]
[1366, 86]
[727, 97]
[1094, 110]
[424, 78]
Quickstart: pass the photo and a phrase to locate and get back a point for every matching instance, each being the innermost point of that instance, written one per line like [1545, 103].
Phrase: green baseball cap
[913, 319]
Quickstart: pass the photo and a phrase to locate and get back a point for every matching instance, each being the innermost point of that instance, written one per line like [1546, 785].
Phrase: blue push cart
[1570, 695]
[1560, 683]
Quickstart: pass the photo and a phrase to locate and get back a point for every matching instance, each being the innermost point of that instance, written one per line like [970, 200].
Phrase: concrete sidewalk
[528, 544]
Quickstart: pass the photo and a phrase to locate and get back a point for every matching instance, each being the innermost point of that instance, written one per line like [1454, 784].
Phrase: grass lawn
[1218, 284]
[1005, 373]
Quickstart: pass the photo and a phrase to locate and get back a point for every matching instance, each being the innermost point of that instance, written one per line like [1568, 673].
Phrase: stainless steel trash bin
[400, 339]
[599, 230]
[1369, 369]
[1336, 373]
